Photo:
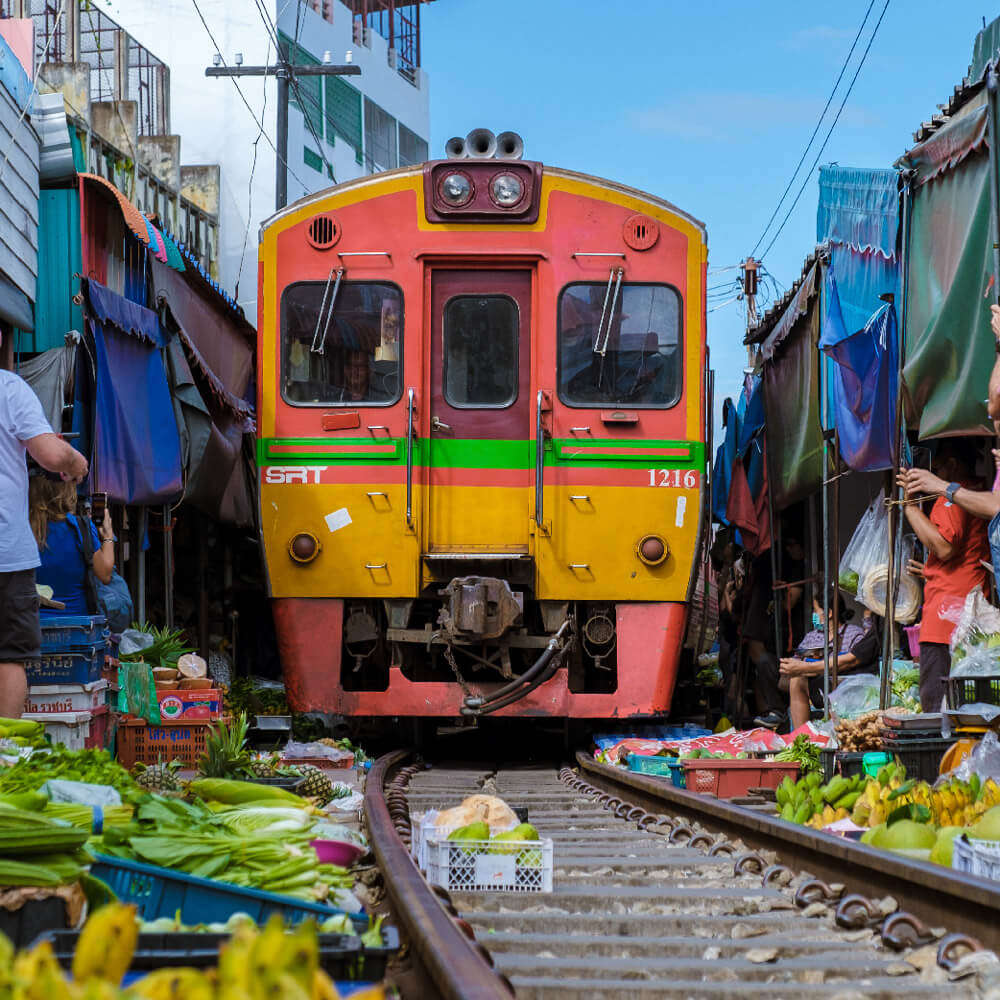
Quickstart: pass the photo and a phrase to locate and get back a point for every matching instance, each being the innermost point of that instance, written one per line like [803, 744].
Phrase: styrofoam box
[73, 729]
[46, 698]
[484, 865]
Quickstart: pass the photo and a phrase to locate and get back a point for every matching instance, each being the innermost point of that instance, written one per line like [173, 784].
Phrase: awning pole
[824, 417]
[835, 545]
[168, 568]
[991, 118]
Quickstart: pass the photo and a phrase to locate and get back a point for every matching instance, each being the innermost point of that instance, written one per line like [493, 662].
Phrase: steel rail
[451, 960]
[938, 896]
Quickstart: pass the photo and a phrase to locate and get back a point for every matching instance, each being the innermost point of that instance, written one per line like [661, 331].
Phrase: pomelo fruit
[943, 847]
[988, 827]
[907, 834]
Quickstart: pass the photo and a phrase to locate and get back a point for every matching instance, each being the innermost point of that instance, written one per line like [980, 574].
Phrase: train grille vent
[641, 232]
[323, 232]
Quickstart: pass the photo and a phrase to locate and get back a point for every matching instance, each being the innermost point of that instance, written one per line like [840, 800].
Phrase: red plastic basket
[727, 779]
[141, 743]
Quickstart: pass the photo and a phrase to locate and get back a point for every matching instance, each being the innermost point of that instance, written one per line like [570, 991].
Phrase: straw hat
[873, 590]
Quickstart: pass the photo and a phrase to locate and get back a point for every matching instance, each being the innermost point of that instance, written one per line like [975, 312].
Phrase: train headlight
[652, 550]
[456, 189]
[506, 190]
[304, 547]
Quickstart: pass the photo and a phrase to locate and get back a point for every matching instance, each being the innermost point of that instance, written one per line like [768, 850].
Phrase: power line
[864, 56]
[272, 30]
[239, 90]
[805, 152]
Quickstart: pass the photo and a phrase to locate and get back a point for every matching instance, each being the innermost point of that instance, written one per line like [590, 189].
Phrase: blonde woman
[57, 530]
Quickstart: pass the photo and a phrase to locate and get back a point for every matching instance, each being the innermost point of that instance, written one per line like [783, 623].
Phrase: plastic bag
[60, 790]
[873, 586]
[861, 554]
[984, 760]
[137, 691]
[854, 696]
[133, 641]
[294, 751]
[975, 642]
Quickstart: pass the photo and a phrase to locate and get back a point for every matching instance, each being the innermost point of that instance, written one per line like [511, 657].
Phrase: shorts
[20, 629]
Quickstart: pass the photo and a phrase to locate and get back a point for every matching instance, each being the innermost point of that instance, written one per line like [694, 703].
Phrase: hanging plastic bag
[854, 695]
[137, 691]
[975, 642]
[984, 760]
[863, 552]
[873, 587]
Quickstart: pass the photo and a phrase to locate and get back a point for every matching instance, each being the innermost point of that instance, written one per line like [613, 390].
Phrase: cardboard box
[189, 705]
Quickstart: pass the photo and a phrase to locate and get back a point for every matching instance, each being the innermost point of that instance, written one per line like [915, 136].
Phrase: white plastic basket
[478, 865]
[976, 857]
[424, 828]
[61, 698]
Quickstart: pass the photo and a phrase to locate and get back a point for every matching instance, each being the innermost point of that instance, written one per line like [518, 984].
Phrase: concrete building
[339, 128]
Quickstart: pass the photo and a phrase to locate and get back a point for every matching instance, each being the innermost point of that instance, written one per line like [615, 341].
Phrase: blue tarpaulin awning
[136, 447]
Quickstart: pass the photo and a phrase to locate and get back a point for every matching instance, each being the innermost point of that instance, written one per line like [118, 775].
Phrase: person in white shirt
[23, 427]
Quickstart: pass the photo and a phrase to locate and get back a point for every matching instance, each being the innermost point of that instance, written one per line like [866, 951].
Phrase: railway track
[661, 893]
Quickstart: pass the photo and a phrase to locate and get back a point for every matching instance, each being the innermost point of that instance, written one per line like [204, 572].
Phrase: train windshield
[620, 346]
[480, 351]
[341, 343]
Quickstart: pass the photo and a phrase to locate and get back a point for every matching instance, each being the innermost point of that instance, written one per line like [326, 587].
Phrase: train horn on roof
[480, 144]
[455, 149]
[510, 146]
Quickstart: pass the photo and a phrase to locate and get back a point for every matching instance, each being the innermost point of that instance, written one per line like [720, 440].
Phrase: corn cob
[239, 792]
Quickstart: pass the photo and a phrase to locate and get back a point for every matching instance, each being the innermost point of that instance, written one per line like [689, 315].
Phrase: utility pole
[285, 72]
[749, 275]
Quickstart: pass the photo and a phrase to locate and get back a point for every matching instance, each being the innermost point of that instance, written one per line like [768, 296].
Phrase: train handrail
[539, 462]
[410, 394]
[452, 961]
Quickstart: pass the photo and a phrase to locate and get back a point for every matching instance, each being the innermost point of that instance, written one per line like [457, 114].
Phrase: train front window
[341, 345]
[622, 350]
[480, 351]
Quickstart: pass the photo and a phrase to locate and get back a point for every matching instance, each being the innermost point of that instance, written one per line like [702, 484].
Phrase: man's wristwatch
[951, 490]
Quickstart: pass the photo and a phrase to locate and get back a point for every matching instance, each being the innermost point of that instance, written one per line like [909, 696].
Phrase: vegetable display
[95, 767]
[860, 734]
[803, 751]
[39, 851]
[256, 845]
[168, 647]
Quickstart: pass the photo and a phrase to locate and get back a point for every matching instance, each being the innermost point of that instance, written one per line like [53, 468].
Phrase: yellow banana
[174, 984]
[323, 987]
[300, 954]
[106, 945]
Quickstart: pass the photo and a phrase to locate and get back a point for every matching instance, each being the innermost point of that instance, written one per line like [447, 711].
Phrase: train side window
[480, 351]
[628, 354]
[358, 360]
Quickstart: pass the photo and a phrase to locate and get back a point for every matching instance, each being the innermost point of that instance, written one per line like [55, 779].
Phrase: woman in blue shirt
[60, 544]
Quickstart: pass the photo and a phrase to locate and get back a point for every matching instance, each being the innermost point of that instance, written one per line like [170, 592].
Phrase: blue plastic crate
[161, 892]
[677, 775]
[70, 633]
[645, 764]
[81, 666]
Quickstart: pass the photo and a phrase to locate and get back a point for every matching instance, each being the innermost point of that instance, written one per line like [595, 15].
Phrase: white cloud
[814, 38]
[725, 116]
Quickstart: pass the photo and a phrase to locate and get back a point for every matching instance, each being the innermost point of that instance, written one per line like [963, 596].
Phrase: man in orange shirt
[956, 546]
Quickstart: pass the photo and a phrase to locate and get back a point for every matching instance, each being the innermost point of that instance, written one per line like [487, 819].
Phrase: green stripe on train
[473, 453]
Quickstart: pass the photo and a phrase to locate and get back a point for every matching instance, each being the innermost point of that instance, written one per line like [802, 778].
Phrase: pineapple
[158, 777]
[264, 767]
[226, 754]
[316, 786]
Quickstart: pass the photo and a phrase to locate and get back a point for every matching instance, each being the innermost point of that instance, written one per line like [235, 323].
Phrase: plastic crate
[80, 666]
[921, 758]
[727, 779]
[161, 892]
[677, 775]
[424, 828]
[74, 730]
[642, 763]
[61, 633]
[45, 698]
[976, 857]
[971, 690]
[141, 743]
[341, 956]
[484, 865]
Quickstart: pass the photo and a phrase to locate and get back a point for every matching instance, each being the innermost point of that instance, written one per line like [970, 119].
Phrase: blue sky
[708, 105]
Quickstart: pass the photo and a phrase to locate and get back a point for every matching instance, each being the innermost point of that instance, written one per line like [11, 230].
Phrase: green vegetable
[373, 936]
[96, 767]
[803, 752]
[240, 792]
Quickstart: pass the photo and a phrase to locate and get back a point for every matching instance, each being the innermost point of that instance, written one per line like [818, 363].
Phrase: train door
[480, 411]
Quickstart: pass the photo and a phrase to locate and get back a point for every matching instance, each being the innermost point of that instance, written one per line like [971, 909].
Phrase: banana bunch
[272, 964]
[961, 803]
[884, 793]
[809, 801]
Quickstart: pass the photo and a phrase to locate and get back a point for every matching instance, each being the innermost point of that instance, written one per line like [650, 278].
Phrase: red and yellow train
[482, 399]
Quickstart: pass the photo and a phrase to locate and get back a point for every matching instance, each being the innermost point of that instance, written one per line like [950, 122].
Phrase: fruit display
[803, 751]
[167, 648]
[860, 734]
[510, 842]
[810, 802]
[268, 964]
